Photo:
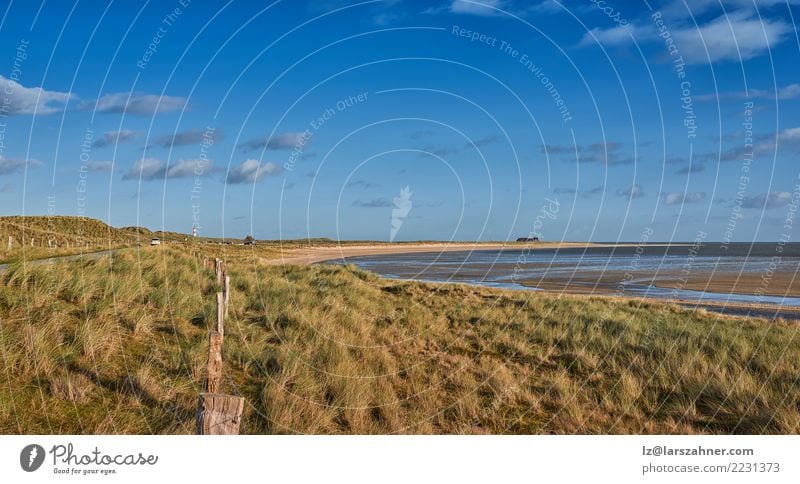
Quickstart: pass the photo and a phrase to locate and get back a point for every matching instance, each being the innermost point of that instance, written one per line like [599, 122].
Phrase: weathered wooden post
[220, 313]
[218, 414]
[10, 242]
[214, 366]
[219, 271]
[32, 239]
[227, 292]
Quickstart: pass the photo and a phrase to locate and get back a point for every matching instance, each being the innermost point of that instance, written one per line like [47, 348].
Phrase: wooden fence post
[219, 271]
[220, 313]
[227, 292]
[214, 367]
[218, 414]
[10, 242]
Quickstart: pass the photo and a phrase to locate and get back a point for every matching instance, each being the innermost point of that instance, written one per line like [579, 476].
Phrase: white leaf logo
[402, 206]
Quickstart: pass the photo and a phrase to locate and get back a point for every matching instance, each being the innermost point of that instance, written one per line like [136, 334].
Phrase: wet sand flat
[673, 285]
[779, 284]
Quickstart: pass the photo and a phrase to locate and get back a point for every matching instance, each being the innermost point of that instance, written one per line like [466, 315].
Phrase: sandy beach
[313, 255]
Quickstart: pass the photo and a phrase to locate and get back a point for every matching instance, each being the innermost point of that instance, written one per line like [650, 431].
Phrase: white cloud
[30, 100]
[281, 141]
[251, 171]
[112, 138]
[768, 200]
[610, 37]
[633, 192]
[740, 34]
[681, 8]
[13, 165]
[790, 134]
[680, 197]
[476, 7]
[145, 168]
[187, 168]
[766, 144]
[792, 91]
[137, 103]
[100, 166]
[190, 137]
[149, 169]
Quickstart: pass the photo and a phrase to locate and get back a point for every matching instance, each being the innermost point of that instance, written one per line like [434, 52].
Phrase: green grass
[118, 345]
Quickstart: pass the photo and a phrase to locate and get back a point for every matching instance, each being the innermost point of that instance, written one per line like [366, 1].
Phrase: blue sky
[576, 120]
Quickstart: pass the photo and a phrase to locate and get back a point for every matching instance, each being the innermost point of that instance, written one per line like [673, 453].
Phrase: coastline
[579, 287]
[313, 255]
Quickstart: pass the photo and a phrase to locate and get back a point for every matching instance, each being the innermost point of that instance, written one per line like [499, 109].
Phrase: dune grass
[118, 344]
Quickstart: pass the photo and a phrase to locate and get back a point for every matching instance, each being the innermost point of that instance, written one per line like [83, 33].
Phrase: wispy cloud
[489, 8]
[787, 140]
[738, 34]
[612, 36]
[252, 171]
[7, 188]
[137, 103]
[678, 198]
[100, 166]
[768, 200]
[693, 168]
[362, 184]
[605, 153]
[19, 99]
[375, 203]
[792, 91]
[190, 137]
[633, 192]
[113, 138]
[14, 165]
[483, 8]
[594, 191]
[283, 141]
[481, 142]
[149, 169]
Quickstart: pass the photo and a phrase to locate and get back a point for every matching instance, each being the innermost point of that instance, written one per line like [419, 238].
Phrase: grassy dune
[38, 237]
[118, 345]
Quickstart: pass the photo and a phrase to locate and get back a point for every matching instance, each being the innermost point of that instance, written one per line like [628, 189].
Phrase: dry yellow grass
[117, 344]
